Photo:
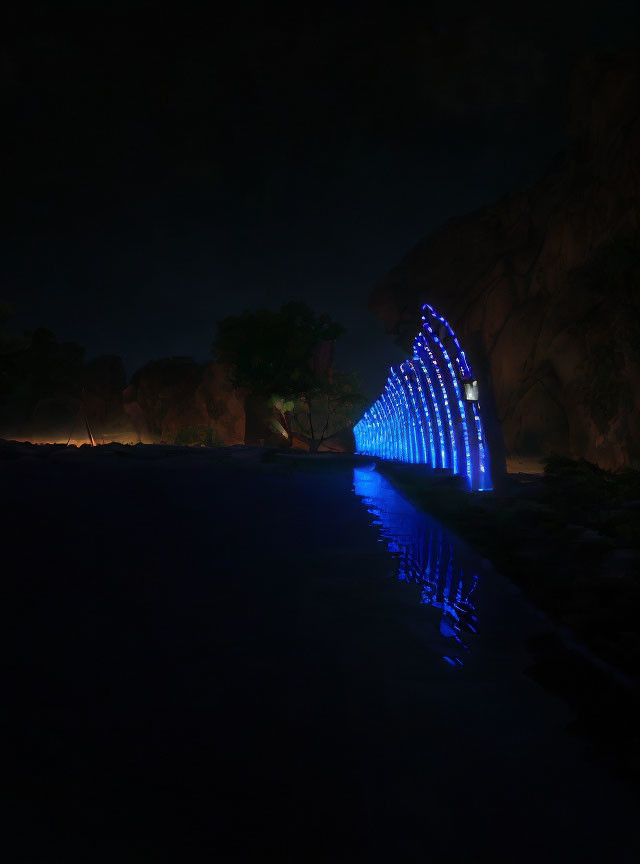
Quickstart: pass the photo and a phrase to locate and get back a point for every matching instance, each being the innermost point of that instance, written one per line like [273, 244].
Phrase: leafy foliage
[282, 407]
[286, 357]
[574, 487]
[331, 405]
[38, 368]
[204, 435]
[272, 352]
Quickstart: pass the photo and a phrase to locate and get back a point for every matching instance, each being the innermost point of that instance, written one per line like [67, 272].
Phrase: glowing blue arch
[429, 411]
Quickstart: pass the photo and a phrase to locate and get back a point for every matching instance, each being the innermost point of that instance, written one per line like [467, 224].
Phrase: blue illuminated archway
[429, 412]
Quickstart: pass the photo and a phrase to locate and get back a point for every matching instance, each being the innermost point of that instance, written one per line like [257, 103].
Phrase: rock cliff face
[178, 400]
[48, 391]
[543, 287]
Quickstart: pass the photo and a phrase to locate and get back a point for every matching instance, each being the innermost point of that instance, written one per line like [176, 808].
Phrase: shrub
[206, 436]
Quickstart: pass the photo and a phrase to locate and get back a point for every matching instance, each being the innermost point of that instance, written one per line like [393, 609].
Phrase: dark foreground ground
[570, 538]
[212, 659]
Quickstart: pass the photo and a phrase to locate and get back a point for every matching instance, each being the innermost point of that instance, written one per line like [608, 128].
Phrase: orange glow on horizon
[72, 442]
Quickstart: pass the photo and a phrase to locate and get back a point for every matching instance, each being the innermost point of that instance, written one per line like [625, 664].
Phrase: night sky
[164, 167]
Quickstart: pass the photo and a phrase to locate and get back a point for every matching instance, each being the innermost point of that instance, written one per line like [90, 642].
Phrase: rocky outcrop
[543, 287]
[180, 401]
[49, 393]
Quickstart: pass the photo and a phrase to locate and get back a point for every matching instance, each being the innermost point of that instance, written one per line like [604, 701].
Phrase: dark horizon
[164, 171]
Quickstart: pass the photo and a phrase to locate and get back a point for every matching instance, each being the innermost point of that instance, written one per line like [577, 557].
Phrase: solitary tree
[331, 405]
[284, 357]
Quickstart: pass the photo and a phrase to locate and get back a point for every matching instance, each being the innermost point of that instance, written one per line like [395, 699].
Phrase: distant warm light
[53, 440]
[429, 411]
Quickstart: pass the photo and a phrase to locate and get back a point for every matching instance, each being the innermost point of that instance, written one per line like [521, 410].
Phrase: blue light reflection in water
[426, 555]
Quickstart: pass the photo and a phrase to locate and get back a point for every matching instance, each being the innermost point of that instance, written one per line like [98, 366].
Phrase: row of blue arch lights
[429, 411]
[426, 556]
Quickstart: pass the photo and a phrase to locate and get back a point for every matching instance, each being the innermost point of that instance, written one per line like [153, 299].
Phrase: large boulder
[543, 287]
[180, 401]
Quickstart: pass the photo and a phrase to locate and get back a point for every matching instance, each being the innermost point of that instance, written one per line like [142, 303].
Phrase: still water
[238, 672]
[429, 556]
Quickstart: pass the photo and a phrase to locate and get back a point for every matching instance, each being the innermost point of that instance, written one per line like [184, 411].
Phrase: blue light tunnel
[429, 411]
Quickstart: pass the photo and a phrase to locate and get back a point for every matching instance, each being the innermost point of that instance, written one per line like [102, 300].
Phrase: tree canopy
[286, 357]
[275, 352]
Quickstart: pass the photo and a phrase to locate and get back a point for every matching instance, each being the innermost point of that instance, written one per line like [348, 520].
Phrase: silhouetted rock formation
[543, 287]
[40, 384]
[48, 393]
[179, 400]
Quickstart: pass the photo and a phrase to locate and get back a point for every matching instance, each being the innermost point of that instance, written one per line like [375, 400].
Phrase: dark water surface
[213, 659]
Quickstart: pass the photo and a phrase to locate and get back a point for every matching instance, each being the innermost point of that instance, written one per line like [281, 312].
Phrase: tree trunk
[287, 428]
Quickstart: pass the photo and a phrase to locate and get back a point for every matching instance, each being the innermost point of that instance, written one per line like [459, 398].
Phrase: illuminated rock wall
[543, 287]
[177, 400]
